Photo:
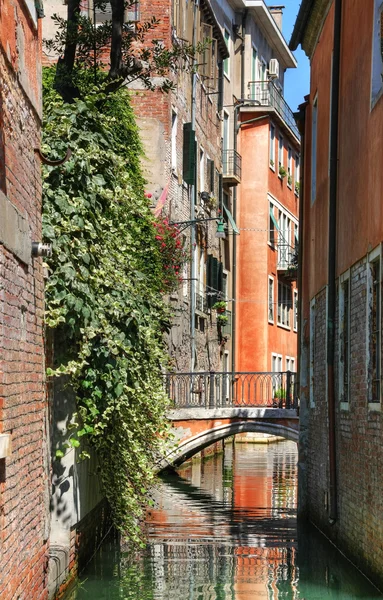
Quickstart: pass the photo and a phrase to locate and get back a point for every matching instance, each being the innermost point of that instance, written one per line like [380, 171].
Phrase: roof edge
[301, 23]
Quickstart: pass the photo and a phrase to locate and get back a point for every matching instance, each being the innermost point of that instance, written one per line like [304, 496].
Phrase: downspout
[236, 131]
[331, 297]
[193, 192]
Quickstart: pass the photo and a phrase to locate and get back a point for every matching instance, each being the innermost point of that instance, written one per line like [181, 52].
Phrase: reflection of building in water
[232, 536]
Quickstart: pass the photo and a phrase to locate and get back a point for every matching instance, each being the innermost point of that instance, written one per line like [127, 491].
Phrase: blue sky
[297, 81]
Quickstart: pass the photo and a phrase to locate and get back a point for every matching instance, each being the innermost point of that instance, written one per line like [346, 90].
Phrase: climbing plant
[103, 294]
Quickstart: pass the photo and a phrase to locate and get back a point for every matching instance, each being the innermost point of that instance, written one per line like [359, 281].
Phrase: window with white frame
[374, 327]
[284, 304]
[314, 132]
[201, 170]
[344, 337]
[297, 175]
[276, 363]
[272, 147]
[295, 309]
[284, 240]
[377, 53]
[280, 152]
[290, 364]
[273, 226]
[174, 139]
[226, 62]
[254, 73]
[289, 167]
[312, 350]
[271, 300]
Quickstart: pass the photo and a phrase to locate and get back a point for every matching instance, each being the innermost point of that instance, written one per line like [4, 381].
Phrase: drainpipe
[236, 131]
[193, 202]
[331, 297]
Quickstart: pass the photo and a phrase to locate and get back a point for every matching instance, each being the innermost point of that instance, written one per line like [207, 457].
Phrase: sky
[297, 81]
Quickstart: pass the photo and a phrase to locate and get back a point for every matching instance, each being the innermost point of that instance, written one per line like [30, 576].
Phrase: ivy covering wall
[104, 291]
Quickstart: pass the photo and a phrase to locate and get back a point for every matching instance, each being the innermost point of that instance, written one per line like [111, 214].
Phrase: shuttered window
[189, 154]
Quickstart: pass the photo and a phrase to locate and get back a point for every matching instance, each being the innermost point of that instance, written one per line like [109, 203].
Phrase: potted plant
[289, 180]
[219, 306]
[282, 172]
[297, 188]
[271, 163]
[222, 320]
[279, 396]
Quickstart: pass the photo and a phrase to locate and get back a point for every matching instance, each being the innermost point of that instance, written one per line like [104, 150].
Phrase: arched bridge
[211, 406]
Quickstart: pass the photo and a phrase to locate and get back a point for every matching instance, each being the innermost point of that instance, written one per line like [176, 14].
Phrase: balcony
[265, 94]
[231, 167]
[287, 262]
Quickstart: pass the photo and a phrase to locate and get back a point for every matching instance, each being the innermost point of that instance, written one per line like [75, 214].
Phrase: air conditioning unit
[273, 68]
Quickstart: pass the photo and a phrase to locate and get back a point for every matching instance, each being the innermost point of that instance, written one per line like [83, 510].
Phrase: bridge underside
[197, 431]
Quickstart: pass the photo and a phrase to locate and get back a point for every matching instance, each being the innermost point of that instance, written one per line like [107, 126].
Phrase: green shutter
[212, 280]
[189, 155]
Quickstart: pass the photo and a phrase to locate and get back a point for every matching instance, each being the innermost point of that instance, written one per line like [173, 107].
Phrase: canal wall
[80, 516]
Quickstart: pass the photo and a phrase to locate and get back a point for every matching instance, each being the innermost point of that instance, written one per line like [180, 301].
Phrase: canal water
[226, 529]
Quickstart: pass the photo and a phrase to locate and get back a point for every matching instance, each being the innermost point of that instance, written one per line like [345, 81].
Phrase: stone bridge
[210, 406]
[197, 428]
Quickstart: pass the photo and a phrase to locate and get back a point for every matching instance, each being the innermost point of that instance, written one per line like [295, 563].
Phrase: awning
[231, 220]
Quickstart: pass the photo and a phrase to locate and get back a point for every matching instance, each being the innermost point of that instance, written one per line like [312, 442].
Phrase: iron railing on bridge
[210, 389]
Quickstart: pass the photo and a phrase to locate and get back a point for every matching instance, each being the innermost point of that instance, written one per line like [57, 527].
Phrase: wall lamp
[220, 233]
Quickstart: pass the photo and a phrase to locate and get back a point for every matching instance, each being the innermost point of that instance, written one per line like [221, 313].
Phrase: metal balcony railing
[231, 165]
[230, 390]
[265, 93]
[287, 257]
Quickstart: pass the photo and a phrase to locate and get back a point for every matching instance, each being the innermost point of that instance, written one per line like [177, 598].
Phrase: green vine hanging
[103, 295]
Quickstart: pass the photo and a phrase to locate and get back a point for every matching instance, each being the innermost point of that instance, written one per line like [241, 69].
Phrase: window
[254, 73]
[284, 240]
[273, 226]
[276, 363]
[102, 14]
[314, 150]
[312, 350]
[226, 62]
[296, 175]
[272, 147]
[280, 152]
[284, 304]
[290, 364]
[271, 300]
[377, 53]
[201, 170]
[289, 167]
[344, 337]
[374, 320]
[174, 140]
[295, 309]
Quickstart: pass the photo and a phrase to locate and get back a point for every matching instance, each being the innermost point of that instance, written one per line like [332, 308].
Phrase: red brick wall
[23, 474]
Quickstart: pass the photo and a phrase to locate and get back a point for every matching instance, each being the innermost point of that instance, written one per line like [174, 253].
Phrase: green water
[226, 530]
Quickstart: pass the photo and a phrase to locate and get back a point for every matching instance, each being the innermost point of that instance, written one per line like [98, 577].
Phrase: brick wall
[24, 503]
[358, 530]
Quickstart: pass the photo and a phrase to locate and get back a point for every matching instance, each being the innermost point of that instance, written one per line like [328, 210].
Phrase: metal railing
[231, 164]
[266, 93]
[287, 256]
[210, 389]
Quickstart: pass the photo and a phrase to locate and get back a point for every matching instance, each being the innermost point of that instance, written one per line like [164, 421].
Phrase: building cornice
[268, 27]
[309, 23]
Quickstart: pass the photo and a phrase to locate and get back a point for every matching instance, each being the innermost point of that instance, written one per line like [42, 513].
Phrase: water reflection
[226, 529]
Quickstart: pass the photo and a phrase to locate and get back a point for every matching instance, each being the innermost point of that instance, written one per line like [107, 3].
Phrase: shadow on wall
[75, 488]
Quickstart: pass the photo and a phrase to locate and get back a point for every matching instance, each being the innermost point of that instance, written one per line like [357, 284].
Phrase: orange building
[267, 216]
[341, 416]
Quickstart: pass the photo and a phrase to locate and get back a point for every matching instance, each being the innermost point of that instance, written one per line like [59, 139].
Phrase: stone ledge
[14, 230]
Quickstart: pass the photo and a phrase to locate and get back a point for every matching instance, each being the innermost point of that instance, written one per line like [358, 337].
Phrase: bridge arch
[186, 449]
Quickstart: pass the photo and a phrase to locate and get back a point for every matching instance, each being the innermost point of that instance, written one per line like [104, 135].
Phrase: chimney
[277, 12]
